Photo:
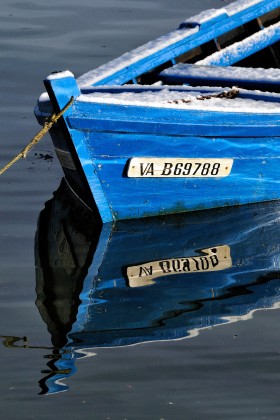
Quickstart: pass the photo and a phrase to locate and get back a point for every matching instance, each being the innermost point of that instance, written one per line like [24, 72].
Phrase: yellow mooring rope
[46, 127]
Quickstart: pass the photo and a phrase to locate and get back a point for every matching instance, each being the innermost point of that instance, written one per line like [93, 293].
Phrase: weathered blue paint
[110, 118]
[107, 136]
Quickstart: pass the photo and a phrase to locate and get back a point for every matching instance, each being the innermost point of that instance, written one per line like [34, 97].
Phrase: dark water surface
[230, 371]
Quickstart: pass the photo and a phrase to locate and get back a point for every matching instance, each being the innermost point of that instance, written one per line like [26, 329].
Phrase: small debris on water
[45, 156]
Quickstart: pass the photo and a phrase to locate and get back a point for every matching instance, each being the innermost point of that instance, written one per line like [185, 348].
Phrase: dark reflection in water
[156, 279]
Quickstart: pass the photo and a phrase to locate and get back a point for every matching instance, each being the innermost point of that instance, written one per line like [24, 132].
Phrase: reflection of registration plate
[212, 259]
[179, 168]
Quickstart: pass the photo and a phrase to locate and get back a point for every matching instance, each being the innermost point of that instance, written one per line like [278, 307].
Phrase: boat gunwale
[134, 67]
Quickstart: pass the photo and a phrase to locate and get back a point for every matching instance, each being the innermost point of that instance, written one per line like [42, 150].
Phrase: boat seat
[243, 77]
[240, 50]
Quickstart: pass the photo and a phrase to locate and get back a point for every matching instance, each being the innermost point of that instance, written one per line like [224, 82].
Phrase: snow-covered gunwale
[219, 100]
[171, 127]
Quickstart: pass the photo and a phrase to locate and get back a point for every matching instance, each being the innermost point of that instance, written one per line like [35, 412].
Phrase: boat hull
[136, 160]
[102, 140]
[252, 179]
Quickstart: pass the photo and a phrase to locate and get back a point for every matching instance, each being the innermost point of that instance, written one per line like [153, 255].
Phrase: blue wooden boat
[132, 281]
[187, 122]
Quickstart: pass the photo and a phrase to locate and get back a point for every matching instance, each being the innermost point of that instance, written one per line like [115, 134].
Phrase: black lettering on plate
[146, 169]
[167, 169]
[146, 271]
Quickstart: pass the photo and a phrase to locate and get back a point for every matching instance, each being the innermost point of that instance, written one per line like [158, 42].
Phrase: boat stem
[46, 127]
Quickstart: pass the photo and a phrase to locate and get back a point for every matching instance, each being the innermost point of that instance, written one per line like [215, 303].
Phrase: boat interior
[266, 58]
[247, 57]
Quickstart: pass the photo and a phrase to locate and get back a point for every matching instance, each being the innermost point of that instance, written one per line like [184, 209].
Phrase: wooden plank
[175, 120]
[240, 50]
[208, 75]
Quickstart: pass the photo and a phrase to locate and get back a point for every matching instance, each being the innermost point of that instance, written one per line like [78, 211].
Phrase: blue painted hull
[97, 139]
[107, 136]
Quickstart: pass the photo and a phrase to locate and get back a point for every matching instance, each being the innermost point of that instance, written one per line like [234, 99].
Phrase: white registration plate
[179, 168]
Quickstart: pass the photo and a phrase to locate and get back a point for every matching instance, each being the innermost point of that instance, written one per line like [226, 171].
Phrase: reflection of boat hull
[137, 148]
[242, 242]
[66, 236]
[179, 302]
[94, 303]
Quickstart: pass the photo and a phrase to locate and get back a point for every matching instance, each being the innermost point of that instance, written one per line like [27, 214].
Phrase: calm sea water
[225, 372]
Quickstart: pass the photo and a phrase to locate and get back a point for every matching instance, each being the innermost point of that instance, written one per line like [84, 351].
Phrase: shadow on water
[156, 279]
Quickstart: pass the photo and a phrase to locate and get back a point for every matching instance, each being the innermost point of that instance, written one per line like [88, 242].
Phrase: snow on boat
[161, 278]
[187, 122]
